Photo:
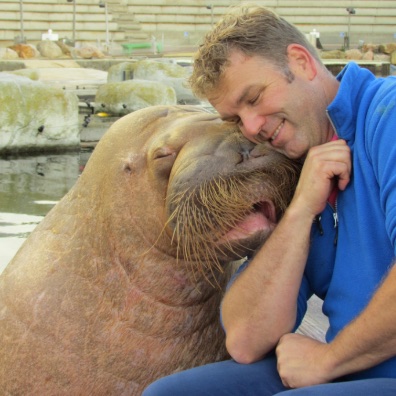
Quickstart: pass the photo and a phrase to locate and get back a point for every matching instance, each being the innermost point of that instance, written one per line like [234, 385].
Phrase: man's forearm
[261, 304]
[371, 337]
[367, 341]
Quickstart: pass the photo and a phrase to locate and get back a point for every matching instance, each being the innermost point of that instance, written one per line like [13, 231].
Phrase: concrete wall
[180, 23]
[374, 21]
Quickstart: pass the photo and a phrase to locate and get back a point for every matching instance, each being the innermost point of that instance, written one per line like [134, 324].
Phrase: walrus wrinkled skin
[120, 284]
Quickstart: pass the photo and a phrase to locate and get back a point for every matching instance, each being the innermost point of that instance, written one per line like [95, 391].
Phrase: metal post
[21, 16]
[210, 7]
[107, 27]
[74, 21]
[351, 11]
[103, 4]
[349, 30]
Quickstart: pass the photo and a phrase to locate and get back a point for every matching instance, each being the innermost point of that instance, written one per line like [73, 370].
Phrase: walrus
[121, 282]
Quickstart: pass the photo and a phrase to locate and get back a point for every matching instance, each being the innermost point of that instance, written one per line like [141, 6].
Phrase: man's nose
[251, 125]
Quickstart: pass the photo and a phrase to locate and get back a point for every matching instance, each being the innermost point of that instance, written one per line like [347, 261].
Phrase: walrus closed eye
[114, 288]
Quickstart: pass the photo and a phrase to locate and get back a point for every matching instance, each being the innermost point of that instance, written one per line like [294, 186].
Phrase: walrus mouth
[228, 218]
[262, 218]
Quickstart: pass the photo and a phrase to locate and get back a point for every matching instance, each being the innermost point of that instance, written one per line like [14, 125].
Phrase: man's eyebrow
[243, 95]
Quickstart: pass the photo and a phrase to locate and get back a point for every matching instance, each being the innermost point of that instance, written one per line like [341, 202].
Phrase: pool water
[29, 187]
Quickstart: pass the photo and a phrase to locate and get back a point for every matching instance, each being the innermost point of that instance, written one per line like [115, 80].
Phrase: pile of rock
[35, 116]
[50, 50]
[39, 116]
[134, 85]
[369, 52]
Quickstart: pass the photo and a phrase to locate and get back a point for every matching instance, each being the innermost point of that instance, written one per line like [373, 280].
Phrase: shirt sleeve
[381, 148]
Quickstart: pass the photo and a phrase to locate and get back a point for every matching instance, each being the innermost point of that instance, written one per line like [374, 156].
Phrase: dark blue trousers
[229, 378]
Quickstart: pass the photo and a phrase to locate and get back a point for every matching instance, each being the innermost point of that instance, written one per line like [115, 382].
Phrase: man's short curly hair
[251, 29]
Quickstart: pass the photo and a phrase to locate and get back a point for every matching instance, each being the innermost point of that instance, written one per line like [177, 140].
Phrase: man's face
[288, 115]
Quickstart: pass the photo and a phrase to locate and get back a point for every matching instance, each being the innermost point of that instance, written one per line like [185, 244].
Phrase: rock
[64, 48]
[36, 117]
[353, 54]
[121, 98]
[336, 54]
[393, 58]
[382, 57]
[89, 52]
[370, 47]
[29, 73]
[49, 49]
[387, 48]
[167, 73]
[121, 72]
[24, 51]
[369, 55]
[170, 74]
[147, 69]
[8, 53]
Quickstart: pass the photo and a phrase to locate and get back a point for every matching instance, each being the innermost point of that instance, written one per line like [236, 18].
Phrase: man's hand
[326, 165]
[368, 340]
[303, 361]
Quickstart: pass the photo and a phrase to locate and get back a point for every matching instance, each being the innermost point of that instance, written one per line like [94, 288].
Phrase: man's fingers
[334, 159]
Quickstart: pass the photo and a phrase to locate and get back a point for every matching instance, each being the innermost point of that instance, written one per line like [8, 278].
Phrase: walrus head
[228, 209]
[225, 194]
[222, 194]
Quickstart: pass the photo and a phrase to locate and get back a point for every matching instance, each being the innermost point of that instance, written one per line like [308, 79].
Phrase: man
[260, 72]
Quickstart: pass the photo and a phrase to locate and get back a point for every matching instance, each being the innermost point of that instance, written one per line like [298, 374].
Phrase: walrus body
[120, 284]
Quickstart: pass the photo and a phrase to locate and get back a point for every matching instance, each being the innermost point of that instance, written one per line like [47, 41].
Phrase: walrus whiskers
[206, 213]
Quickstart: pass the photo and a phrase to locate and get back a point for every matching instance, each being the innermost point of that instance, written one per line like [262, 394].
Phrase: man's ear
[301, 62]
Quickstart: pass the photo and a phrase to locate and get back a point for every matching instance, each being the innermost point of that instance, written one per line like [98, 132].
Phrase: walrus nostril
[245, 152]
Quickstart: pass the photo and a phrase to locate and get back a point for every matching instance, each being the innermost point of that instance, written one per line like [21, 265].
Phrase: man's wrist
[297, 213]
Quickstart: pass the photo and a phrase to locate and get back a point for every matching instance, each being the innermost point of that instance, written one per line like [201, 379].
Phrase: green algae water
[29, 187]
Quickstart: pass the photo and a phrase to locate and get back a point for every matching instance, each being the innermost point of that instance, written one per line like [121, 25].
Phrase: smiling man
[258, 96]
[337, 239]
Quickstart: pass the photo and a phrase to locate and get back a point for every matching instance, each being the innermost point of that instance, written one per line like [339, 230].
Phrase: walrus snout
[250, 151]
[228, 213]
